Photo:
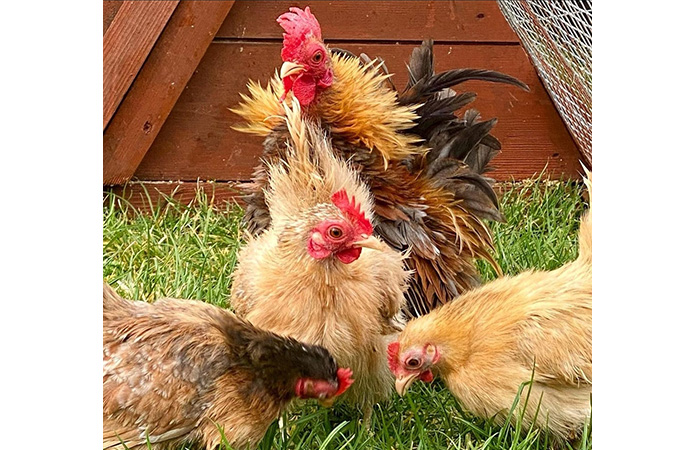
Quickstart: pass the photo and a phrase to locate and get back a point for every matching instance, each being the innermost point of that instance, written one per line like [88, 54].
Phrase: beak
[289, 68]
[327, 402]
[403, 383]
[368, 242]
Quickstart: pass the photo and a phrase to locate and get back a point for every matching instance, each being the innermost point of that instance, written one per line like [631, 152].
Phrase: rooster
[317, 273]
[176, 370]
[423, 165]
[485, 344]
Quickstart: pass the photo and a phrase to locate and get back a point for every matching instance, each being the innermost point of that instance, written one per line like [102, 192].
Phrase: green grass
[189, 251]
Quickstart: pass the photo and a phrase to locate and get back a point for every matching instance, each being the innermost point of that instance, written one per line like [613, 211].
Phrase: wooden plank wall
[196, 143]
[111, 7]
[136, 27]
[159, 84]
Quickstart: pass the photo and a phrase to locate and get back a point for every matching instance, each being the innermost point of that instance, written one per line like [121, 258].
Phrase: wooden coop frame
[172, 68]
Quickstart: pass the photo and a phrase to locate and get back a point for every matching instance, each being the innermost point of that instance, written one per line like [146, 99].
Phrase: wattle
[427, 376]
[304, 88]
[349, 255]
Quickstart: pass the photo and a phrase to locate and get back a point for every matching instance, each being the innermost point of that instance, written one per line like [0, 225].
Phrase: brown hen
[180, 371]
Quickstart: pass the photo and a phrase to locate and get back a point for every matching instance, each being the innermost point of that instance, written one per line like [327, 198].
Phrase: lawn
[189, 251]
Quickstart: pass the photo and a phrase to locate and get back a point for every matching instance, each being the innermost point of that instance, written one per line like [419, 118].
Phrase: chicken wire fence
[557, 37]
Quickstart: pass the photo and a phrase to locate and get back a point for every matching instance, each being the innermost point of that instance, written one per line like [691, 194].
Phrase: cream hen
[489, 341]
[317, 273]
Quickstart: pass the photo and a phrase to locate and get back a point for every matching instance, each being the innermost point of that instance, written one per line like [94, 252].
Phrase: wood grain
[127, 42]
[196, 141]
[471, 21]
[111, 7]
[154, 92]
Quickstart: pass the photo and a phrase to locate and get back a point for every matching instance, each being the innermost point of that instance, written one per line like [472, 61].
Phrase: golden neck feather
[358, 107]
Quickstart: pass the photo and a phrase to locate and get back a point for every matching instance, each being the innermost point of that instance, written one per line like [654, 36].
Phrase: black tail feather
[440, 112]
[427, 87]
[479, 155]
[447, 105]
[421, 65]
[465, 142]
[491, 141]
[461, 147]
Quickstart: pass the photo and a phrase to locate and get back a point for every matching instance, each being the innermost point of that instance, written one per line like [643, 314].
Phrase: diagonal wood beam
[159, 84]
[127, 42]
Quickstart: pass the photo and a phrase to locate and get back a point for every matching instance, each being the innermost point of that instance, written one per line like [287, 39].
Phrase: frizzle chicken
[486, 343]
[317, 273]
[177, 369]
[423, 165]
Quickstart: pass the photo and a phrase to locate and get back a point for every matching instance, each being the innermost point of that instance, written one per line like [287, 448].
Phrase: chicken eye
[335, 232]
[413, 363]
[318, 56]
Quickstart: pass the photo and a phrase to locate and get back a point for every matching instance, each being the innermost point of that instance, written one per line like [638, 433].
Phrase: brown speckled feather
[176, 369]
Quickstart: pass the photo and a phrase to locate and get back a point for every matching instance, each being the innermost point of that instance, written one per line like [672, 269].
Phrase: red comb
[392, 351]
[344, 380]
[353, 211]
[298, 25]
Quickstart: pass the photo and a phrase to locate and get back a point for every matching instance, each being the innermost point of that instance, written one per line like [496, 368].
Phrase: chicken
[423, 165]
[175, 370]
[486, 343]
[317, 273]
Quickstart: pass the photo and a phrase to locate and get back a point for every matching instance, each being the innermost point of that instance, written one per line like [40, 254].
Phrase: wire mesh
[557, 37]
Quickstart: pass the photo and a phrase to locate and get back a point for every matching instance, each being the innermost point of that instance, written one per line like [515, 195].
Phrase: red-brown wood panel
[129, 39]
[160, 82]
[111, 7]
[479, 21]
[196, 141]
